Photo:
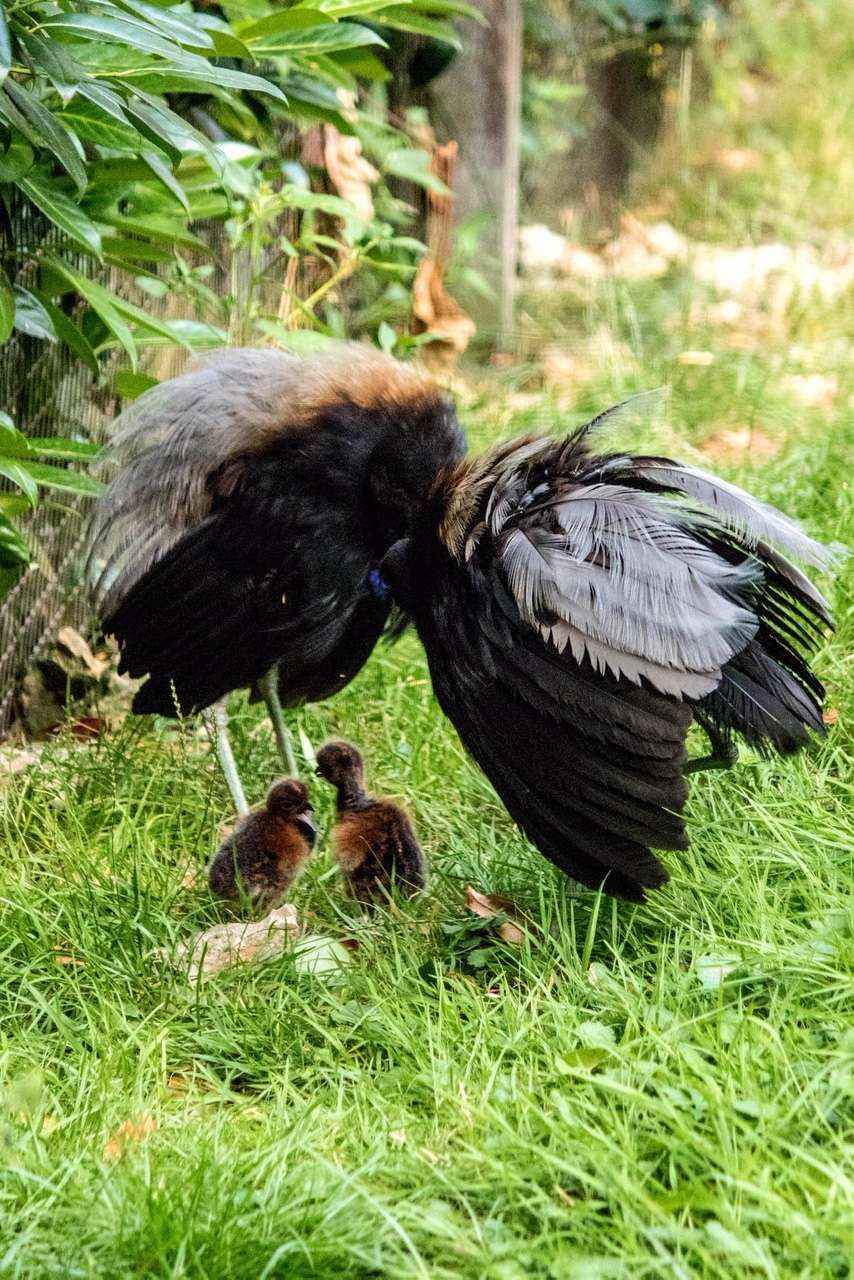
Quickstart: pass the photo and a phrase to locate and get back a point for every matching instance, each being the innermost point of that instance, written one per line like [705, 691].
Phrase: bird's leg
[269, 686]
[216, 719]
[723, 754]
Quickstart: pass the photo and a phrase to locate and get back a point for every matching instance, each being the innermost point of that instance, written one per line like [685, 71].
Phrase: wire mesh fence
[48, 391]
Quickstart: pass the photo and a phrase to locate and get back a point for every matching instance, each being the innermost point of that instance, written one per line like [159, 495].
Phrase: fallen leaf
[15, 759]
[712, 969]
[69, 961]
[236, 942]
[814, 389]
[84, 728]
[320, 956]
[128, 1134]
[700, 358]
[733, 443]
[436, 312]
[830, 716]
[78, 648]
[178, 1082]
[738, 159]
[489, 905]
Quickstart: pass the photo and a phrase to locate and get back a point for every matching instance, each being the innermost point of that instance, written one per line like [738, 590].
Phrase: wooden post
[477, 102]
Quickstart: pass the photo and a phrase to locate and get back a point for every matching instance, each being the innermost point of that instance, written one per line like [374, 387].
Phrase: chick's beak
[307, 823]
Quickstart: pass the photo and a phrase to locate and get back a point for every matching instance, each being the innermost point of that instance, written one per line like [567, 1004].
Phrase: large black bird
[578, 609]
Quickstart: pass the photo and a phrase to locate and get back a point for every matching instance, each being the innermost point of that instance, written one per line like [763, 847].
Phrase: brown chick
[265, 854]
[373, 839]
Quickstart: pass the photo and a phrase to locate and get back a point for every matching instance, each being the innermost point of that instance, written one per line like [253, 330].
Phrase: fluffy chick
[373, 839]
[261, 859]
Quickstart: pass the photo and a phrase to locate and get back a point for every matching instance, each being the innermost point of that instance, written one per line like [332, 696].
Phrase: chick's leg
[269, 686]
[216, 720]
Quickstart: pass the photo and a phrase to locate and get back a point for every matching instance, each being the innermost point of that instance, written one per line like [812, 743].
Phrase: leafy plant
[30, 466]
[129, 127]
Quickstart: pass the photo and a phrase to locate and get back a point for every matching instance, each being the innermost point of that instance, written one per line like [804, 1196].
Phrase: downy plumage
[578, 609]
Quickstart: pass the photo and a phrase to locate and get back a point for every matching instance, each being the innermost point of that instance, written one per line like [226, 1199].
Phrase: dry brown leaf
[236, 942]
[78, 648]
[489, 905]
[435, 311]
[830, 716]
[814, 389]
[351, 174]
[736, 442]
[15, 759]
[83, 728]
[738, 159]
[128, 1134]
[700, 358]
[68, 961]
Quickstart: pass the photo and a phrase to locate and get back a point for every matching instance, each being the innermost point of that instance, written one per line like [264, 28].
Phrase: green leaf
[386, 337]
[127, 32]
[5, 45]
[20, 477]
[51, 134]
[166, 176]
[350, 8]
[101, 301]
[15, 162]
[63, 213]
[67, 332]
[130, 385]
[281, 20]
[63, 71]
[51, 477]
[184, 31]
[322, 39]
[7, 307]
[64, 450]
[13, 504]
[225, 42]
[453, 9]
[13, 443]
[193, 334]
[403, 18]
[123, 251]
[13, 549]
[413, 164]
[95, 125]
[31, 316]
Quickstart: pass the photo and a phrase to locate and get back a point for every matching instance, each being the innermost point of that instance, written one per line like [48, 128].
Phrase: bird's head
[288, 798]
[422, 440]
[340, 763]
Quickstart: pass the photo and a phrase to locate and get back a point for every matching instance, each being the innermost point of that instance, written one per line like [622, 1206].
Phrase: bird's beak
[306, 821]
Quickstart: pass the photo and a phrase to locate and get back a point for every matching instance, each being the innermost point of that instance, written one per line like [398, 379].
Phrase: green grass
[655, 1091]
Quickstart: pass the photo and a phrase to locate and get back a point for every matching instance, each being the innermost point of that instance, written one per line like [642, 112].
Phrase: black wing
[590, 767]
[277, 574]
[575, 612]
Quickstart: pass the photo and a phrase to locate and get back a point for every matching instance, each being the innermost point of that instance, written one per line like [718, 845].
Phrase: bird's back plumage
[241, 527]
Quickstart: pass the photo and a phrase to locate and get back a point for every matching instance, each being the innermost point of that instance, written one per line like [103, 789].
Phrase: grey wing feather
[623, 583]
[749, 518]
